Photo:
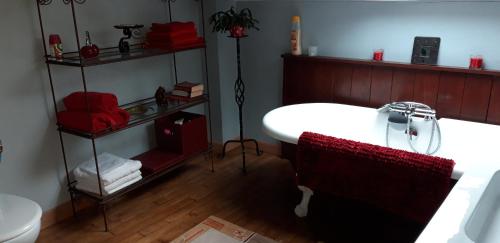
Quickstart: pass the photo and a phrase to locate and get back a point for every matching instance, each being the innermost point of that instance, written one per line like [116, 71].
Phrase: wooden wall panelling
[476, 96]
[292, 80]
[361, 85]
[342, 83]
[454, 92]
[449, 101]
[381, 86]
[494, 105]
[319, 83]
[426, 87]
[403, 83]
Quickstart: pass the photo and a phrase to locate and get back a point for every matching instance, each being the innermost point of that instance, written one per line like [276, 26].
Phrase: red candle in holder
[476, 62]
[378, 55]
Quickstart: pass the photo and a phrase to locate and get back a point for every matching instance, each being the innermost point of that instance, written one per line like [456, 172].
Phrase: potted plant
[233, 21]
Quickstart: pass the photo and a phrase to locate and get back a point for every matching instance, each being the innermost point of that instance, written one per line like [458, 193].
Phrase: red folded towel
[168, 36]
[180, 42]
[409, 184]
[95, 122]
[174, 26]
[176, 40]
[176, 46]
[98, 102]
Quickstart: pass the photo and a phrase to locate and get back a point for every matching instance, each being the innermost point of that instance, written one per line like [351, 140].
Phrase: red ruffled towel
[104, 112]
[408, 184]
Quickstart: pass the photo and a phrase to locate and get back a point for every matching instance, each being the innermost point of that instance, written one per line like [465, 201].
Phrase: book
[188, 86]
[180, 93]
[187, 94]
[196, 93]
[182, 98]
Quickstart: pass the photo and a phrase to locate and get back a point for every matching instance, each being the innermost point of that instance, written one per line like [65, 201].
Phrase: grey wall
[32, 165]
[32, 162]
[354, 29]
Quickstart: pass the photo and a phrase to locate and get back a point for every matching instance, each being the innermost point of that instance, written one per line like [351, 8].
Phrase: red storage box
[187, 138]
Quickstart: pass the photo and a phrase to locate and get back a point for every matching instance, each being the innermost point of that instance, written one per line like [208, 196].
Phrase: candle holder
[239, 95]
[127, 29]
[476, 62]
[378, 55]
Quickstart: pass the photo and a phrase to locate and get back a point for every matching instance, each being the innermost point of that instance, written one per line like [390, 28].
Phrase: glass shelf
[171, 160]
[141, 112]
[112, 54]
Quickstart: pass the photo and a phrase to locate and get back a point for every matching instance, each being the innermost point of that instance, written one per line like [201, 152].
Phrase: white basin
[484, 222]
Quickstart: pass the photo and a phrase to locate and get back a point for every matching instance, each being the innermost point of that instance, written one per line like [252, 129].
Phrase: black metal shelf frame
[76, 60]
[145, 180]
[112, 55]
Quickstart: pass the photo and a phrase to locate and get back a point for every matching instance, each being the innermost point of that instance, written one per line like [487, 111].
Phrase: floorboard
[262, 201]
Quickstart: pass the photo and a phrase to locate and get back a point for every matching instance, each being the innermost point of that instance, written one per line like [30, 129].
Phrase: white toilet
[20, 219]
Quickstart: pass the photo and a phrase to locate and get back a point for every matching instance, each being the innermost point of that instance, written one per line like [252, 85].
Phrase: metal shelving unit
[151, 110]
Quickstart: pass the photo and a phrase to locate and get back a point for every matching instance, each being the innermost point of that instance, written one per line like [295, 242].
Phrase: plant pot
[237, 31]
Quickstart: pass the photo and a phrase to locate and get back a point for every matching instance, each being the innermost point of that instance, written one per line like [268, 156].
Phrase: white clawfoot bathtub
[473, 146]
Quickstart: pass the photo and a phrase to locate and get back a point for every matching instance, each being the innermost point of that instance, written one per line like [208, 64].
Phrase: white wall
[32, 162]
[353, 30]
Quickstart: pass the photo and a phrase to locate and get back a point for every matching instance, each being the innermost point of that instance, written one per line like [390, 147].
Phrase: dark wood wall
[454, 92]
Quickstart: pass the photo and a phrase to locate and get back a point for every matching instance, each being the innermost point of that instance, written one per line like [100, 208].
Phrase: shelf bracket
[48, 2]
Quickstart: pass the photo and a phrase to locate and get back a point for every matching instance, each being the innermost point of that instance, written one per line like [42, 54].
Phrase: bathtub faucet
[401, 115]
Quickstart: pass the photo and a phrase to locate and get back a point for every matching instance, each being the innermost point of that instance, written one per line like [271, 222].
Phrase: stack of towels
[116, 173]
[173, 36]
[94, 112]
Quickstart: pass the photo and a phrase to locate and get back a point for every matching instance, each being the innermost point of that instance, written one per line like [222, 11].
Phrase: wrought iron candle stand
[239, 95]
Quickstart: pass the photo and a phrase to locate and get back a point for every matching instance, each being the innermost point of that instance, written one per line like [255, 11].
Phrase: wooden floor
[262, 201]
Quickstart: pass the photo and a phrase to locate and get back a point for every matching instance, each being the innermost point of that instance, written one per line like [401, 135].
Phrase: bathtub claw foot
[302, 208]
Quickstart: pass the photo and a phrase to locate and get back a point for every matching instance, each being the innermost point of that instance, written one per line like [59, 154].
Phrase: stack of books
[186, 91]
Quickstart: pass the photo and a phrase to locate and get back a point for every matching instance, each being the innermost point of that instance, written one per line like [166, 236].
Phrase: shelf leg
[212, 160]
[104, 216]
[73, 206]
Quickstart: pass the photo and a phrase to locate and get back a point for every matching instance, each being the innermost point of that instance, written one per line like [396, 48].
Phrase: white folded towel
[111, 168]
[95, 188]
[92, 182]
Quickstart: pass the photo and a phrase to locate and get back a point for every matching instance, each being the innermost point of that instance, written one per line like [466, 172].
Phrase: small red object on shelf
[56, 47]
[89, 50]
[378, 55]
[476, 62]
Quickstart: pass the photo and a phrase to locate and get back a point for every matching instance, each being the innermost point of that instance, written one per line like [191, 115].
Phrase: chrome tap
[401, 116]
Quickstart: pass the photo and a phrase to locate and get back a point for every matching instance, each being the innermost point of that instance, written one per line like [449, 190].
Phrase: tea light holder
[378, 55]
[476, 62]
[313, 51]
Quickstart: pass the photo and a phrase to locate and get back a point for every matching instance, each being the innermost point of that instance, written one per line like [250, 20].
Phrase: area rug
[216, 230]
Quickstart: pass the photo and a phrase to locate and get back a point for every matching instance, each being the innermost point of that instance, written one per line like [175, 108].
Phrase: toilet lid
[17, 215]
